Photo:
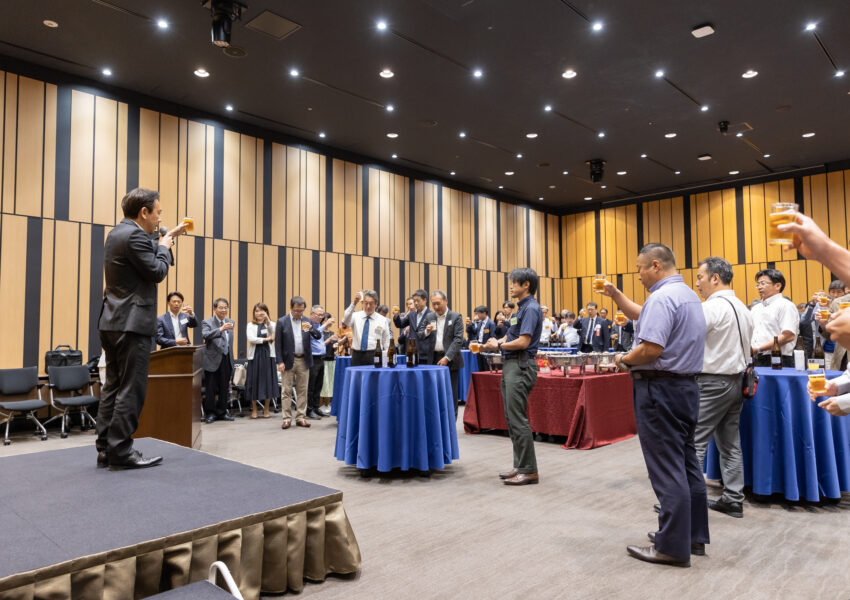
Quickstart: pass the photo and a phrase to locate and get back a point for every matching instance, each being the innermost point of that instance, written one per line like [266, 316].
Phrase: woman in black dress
[261, 376]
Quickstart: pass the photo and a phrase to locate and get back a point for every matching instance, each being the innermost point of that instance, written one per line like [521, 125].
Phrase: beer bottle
[391, 354]
[412, 352]
[818, 354]
[776, 355]
[379, 354]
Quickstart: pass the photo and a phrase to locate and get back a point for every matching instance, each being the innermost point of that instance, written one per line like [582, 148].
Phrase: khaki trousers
[297, 376]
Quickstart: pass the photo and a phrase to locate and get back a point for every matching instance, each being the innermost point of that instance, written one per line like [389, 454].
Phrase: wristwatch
[500, 346]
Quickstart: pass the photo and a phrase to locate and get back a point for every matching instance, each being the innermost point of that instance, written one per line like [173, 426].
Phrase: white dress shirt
[441, 327]
[724, 353]
[770, 318]
[546, 331]
[379, 328]
[843, 397]
[297, 334]
[569, 335]
[175, 324]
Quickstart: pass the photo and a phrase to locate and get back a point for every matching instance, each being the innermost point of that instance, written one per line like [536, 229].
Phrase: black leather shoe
[650, 554]
[135, 461]
[656, 508]
[697, 548]
[102, 462]
[209, 419]
[733, 509]
[226, 417]
[312, 414]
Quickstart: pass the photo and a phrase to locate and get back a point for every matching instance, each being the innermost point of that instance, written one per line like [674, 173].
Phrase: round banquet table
[397, 418]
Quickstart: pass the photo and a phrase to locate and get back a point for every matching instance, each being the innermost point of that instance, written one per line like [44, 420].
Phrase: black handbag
[62, 356]
[750, 381]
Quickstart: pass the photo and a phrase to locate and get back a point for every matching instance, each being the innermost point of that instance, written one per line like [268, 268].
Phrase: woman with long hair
[261, 377]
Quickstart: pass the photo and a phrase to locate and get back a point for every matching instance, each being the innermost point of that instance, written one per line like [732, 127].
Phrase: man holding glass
[774, 317]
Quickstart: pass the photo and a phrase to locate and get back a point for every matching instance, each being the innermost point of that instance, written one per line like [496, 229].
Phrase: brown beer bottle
[799, 345]
[379, 354]
[412, 352]
[391, 355]
[818, 354]
[776, 355]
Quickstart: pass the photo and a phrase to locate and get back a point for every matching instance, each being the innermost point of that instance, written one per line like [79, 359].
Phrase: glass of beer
[824, 314]
[474, 347]
[813, 364]
[467, 320]
[620, 318]
[780, 214]
[823, 298]
[599, 283]
[817, 381]
[395, 308]
[843, 305]
[306, 326]
[190, 223]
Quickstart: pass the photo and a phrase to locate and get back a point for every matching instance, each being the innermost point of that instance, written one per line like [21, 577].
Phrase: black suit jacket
[474, 328]
[452, 339]
[601, 342]
[132, 267]
[807, 317]
[627, 336]
[165, 331]
[424, 344]
[284, 341]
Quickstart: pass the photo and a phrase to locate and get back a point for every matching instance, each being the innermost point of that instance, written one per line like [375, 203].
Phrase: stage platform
[70, 530]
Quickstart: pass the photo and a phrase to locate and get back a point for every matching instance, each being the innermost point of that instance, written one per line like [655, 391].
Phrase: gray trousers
[720, 402]
[517, 382]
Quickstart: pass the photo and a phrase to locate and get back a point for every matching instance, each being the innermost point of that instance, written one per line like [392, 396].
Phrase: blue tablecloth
[397, 418]
[790, 445]
[470, 366]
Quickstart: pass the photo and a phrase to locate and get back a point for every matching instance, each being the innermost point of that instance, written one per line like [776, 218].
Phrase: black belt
[299, 356]
[645, 374]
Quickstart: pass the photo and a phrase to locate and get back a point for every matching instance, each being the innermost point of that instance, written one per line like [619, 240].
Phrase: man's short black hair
[136, 200]
[714, 265]
[420, 294]
[774, 275]
[509, 304]
[297, 301]
[482, 309]
[523, 275]
[172, 294]
[660, 252]
[382, 309]
[593, 304]
[218, 301]
[836, 284]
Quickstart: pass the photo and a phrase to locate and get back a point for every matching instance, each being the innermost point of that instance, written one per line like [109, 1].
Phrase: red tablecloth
[591, 411]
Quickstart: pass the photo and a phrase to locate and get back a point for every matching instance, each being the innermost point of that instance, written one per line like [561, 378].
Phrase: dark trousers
[314, 382]
[217, 389]
[482, 363]
[763, 360]
[666, 411]
[453, 375]
[587, 348]
[128, 356]
[362, 358]
[517, 382]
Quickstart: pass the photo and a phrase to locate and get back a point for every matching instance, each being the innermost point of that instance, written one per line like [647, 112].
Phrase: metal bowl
[494, 360]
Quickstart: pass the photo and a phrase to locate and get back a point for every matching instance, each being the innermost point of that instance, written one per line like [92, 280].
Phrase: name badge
[486, 331]
[184, 321]
[514, 321]
[449, 323]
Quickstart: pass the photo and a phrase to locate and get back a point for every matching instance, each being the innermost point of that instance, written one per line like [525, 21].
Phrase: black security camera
[597, 169]
[723, 127]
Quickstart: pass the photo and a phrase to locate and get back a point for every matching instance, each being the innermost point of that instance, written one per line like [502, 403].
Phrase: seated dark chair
[20, 382]
[67, 380]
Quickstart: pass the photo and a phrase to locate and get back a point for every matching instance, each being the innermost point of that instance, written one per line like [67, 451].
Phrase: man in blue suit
[480, 329]
[172, 328]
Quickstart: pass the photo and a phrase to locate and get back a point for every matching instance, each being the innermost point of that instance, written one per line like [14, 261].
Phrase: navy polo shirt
[528, 320]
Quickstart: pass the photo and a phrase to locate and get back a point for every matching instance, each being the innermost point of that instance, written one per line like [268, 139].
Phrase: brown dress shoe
[697, 548]
[508, 474]
[523, 479]
[650, 554]
[287, 423]
[302, 423]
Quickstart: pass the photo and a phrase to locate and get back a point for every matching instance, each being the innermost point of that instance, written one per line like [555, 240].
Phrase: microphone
[163, 230]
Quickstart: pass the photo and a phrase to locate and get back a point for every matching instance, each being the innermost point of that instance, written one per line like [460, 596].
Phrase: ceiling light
[704, 157]
[501, 187]
[565, 173]
[588, 198]
[294, 73]
[452, 173]
[51, 24]
[621, 172]
[767, 155]
[839, 73]
[531, 136]
[548, 108]
[107, 72]
[229, 108]
[540, 197]
[670, 135]
[162, 23]
[700, 31]
[601, 134]
[704, 108]
[386, 73]
[568, 74]
[509, 173]
[659, 73]
[322, 134]
[643, 155]
[381, 25]
[478, 73]
[202, 73]
[462, 134]
[749, 74]
[395, 155]
[597, 26]
[739, 134]
[677, 173]
[519, 154]
[551, 187]
[390, 108]
[603, 186]
[811, 26]
[392, 135]
[808, 135]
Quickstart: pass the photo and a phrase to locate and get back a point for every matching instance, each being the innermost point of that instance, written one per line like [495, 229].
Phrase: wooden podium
[172, 410]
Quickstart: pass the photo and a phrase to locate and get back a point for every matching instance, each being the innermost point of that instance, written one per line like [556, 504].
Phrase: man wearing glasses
[774, 317]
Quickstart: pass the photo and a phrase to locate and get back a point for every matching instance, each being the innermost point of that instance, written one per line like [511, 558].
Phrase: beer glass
[474, 347]
[599, 283]
[817, 381]
[620, 318]
[843, 305]
[781, 213]
[190, 223]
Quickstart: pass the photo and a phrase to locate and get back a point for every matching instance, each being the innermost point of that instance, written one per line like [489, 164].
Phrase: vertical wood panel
[49, 163]
[231, 185]
[10, 121]
[13, 272]
[45, 329]
[248, 190]
[148, 150]
[168, 165]
[279, 190]
[82, 156]
[314, 203]
[65, 283]
[105, 161]
[30, 147]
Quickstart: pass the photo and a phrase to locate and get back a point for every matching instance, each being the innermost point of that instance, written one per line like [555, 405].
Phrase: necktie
[590, 330]
[224, 335]
[364, 336]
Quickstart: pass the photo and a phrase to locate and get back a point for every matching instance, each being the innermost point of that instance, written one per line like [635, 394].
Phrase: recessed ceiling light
[643, 155]
[107, 72]
[808, 135]
[519, 155]
[162, 23]
[452, 173]
[229, 108]
[839, 73]
[548, 108]
[767, 155]
[322, 134]
[659, 73]
[531, 136]
[704, 108]
[478, 73]
[700, 31]
[670, 135]
[392, 135]
[704, 157]
[540, 197]
[749, 74]
[386, 73]
[202, 73]
[501, 187]
[603, 186]
[51, 24]
[588, 198]
[677, 173]
[294, 73]
[565, 173]
[734, 172]
[621, 172]
[509, 173]
[395, 155]
[597, 26]
[390, 108]
[551, 187]
[462, 134]
[601, 134]
[381, 25]
[568, 74]
[739, 134]
[811, 26]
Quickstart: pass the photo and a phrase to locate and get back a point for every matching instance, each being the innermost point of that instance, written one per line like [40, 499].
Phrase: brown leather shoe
[697, 548]
[287, 423]
[523, 479]
[302, 423]
[508, 474]
[650, 554]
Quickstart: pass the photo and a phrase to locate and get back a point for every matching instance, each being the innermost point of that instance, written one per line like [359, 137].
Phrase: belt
[661, 375]
[299, 356]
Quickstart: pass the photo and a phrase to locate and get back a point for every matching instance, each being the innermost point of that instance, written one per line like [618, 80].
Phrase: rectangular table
[590, 410]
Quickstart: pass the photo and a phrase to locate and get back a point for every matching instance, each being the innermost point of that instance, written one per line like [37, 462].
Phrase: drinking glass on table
[781, 213]
[817, 381]
[812, 364]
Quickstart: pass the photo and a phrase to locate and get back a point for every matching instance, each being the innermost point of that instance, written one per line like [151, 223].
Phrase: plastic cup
[599, 283]
[190, 223]
[843, 305]
[781, 213]
[474, 347]
[817, 381]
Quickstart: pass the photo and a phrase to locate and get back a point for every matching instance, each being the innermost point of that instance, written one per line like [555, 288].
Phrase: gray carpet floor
[460, 533]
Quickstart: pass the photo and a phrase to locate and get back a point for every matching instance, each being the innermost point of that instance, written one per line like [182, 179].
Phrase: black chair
[238, 391]
[20, 382]
[71, 380]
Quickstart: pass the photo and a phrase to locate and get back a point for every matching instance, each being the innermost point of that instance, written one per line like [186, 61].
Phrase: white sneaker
[325, 411]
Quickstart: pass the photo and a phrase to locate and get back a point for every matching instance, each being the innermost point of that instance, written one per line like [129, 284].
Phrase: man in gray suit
[217, 332]
[445, 336]
[132, 268]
